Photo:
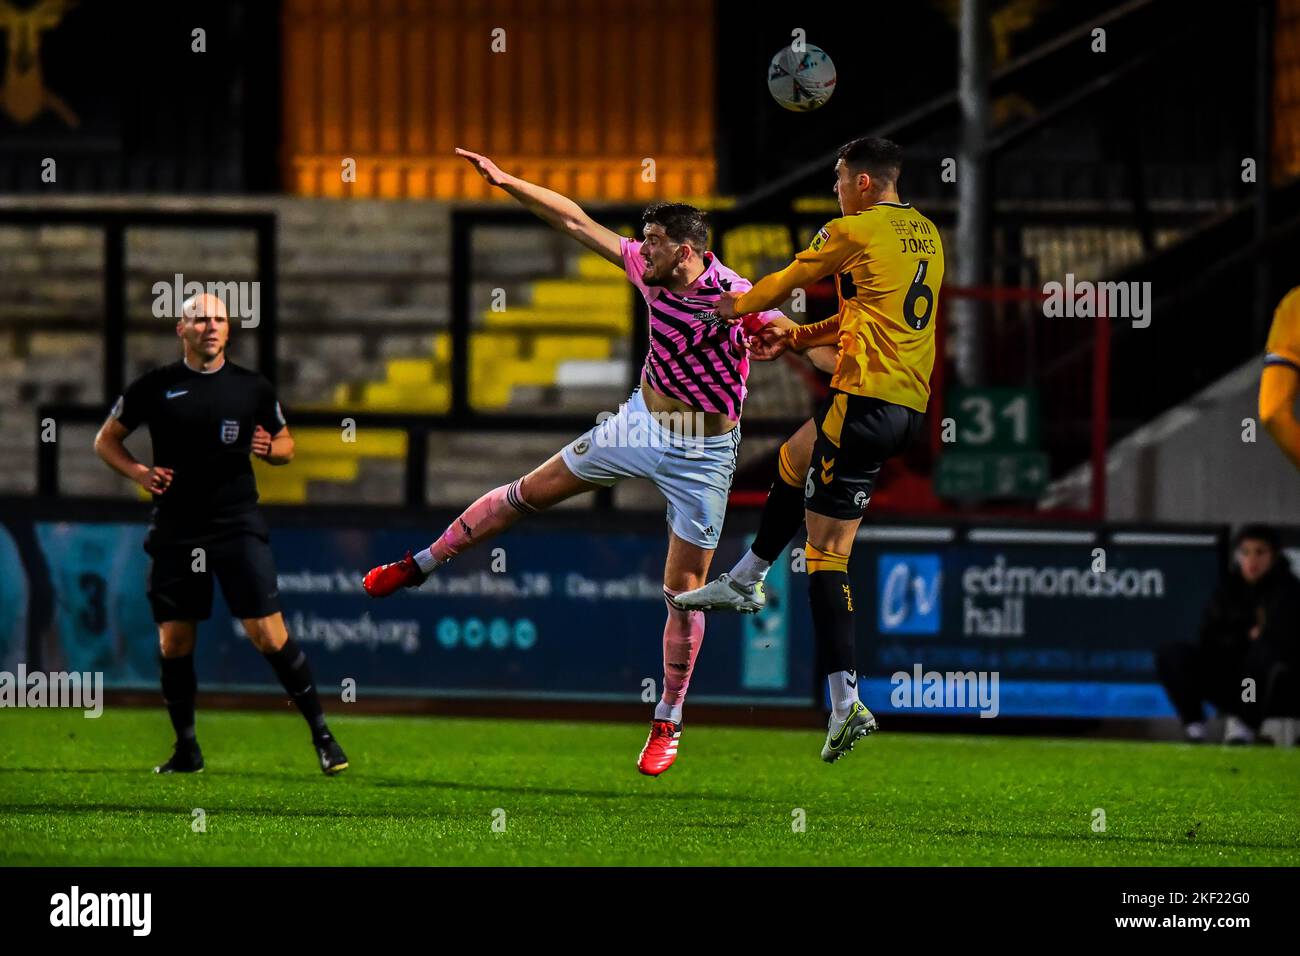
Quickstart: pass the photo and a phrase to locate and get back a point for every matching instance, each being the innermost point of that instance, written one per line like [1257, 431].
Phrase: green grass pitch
[426, 791]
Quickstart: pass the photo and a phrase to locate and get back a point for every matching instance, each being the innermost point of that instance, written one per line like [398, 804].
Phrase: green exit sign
[976, 476]
[991, 419]
[990, 447]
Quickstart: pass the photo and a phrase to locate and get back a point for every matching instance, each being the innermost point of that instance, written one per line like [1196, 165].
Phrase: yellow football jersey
[1283, 347]
[889, 263]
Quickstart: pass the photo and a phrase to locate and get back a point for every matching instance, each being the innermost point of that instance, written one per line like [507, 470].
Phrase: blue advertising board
[1067, 620]
[547, 612]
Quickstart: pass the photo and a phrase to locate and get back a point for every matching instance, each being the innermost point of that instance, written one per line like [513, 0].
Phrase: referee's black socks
[179, 685]
[290, 665]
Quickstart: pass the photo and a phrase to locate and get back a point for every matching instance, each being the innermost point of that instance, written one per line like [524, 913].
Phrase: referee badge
[229, 430]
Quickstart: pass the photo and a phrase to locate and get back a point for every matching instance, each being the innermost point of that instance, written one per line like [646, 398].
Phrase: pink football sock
[683, 634]
[489, 516]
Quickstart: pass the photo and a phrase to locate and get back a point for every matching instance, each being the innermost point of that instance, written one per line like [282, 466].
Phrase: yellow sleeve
[1278, 389]
[830, 252]
[1283, 346]
[816, 333]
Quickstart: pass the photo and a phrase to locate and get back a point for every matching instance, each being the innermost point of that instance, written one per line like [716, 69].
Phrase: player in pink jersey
[680, 429]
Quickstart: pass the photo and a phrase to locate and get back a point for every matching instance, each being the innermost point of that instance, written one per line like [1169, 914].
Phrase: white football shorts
[694, 473]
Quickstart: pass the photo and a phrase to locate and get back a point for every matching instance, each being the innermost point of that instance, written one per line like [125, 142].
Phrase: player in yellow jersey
[888, 260]
[1280, 383]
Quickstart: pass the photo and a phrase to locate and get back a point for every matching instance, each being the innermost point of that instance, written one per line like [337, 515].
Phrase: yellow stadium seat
[410, 371]
[368, 443]
[503, 356]
[592, 266]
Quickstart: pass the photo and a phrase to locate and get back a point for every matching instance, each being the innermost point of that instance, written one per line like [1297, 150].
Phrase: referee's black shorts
[180, 578]
[855, 435]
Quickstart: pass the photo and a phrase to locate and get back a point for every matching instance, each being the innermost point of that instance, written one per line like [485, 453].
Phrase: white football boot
[723, 594]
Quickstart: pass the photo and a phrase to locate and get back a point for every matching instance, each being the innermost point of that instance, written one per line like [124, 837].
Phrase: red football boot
[660, 748]
[387, 578]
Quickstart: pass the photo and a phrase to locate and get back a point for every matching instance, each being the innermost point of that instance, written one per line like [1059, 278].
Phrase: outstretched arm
[831, 251]
[560, 211]
[822, 357]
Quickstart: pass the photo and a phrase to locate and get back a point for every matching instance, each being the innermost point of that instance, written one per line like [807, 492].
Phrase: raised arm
[558, 210]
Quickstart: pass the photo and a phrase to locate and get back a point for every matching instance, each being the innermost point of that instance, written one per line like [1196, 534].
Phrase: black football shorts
[855, 435]
[180, 586]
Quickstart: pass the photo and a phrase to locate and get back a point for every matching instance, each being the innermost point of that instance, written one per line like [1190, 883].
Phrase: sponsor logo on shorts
[229, 430]
[861, 500]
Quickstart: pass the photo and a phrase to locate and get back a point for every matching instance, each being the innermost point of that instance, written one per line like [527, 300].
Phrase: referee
[205, 416]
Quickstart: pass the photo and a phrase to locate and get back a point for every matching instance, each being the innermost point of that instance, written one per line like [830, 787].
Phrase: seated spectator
[1251, 629]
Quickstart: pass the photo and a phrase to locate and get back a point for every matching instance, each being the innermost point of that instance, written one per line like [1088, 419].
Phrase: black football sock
[831, 597]
[290, 665]
[782, 511]
[179, 686]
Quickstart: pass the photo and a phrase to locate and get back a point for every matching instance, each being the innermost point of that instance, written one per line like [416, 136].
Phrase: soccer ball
[801, 81]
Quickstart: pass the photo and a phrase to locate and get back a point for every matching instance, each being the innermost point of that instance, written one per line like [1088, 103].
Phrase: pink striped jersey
[703, 364]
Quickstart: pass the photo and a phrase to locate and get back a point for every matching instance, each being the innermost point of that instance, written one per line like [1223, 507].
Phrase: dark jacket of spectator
[1270, 607]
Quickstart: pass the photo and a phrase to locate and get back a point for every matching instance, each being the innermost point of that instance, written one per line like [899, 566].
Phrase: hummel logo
[852, 679]
[827, 465]
[178, 394]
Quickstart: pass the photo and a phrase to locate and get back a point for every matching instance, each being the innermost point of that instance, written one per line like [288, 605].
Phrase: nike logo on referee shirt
[184, 391]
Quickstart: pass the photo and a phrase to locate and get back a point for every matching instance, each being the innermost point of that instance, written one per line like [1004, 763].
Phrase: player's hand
[726, 307]
[261, 442]
[155, 480]
[769, 342]
[484, 166]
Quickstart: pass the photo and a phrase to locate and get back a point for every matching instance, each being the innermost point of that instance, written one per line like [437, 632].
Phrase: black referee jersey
[201, 425]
